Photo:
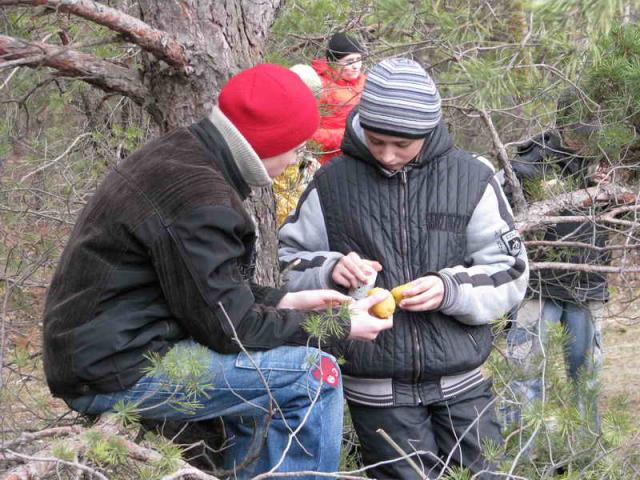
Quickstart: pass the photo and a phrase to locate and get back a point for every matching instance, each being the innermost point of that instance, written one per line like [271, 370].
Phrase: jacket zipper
[406, 260]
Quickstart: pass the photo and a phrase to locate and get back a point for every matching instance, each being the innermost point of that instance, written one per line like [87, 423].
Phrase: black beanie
[340, 45]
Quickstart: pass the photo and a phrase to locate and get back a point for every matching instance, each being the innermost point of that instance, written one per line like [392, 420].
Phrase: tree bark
[221, 38]
[191, 47]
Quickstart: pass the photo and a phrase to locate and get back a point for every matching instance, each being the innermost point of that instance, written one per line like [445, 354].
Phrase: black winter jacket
[415, 222]
[163, 241]
[544, 158]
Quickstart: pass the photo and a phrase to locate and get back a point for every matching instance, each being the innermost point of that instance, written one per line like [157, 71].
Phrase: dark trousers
[437, 428]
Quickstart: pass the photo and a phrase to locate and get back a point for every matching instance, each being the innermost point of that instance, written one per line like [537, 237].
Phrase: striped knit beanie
[399, 99]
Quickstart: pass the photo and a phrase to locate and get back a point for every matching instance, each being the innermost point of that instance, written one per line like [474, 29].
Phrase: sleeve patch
[512, 242]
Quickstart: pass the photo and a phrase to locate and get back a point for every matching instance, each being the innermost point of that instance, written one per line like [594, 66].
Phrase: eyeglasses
[347, 62]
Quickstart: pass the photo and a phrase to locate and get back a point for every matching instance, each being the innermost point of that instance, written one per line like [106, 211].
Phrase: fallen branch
[40, 466]
[589, 246]
[581, 267]
[44, 463]
[540, 214]
[189, 473]
[28, 437]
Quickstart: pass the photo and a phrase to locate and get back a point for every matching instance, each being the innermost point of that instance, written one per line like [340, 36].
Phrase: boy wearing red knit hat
[153, 301]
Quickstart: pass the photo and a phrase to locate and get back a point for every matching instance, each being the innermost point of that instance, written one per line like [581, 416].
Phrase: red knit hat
[273, 109]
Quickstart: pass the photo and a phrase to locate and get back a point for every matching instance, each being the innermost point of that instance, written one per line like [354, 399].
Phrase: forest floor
[621, 369]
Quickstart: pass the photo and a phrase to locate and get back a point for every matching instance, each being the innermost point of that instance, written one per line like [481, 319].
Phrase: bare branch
[55, 160]
[519, 203]
[582, 267]
[8, 79]
[28, 437]
[103, 74]
[40, 466]
[541, 222]
[540, 214]
[134, 30]
[397, 448]
[590, 246]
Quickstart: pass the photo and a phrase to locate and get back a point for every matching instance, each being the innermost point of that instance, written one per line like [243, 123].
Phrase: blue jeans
[306, 389]
[582, 353]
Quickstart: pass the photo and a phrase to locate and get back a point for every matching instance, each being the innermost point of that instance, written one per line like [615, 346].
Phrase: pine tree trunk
[222, 38]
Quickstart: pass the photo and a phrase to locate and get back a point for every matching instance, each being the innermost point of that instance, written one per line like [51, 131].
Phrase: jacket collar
[354, 144]
[245, 158]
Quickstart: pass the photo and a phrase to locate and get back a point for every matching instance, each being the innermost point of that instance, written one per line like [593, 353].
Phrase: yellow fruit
[397, 292]
[385, 308]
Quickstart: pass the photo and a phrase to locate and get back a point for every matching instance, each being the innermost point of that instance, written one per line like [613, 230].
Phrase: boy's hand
[351, 271]
[364, 326]
[423, 294]
[313, 300]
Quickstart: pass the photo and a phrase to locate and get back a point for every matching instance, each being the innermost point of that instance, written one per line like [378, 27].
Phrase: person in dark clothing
[160, 264]
[574, 299]
[405, 204]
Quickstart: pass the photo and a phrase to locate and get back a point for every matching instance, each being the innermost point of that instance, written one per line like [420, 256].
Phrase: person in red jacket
[342, 84]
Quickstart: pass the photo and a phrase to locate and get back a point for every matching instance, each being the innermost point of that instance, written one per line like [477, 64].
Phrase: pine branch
[44, 462]
[328, 324]
[70, 63]
[134, 30]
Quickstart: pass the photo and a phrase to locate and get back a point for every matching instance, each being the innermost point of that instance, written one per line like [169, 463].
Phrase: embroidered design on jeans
[328, 371]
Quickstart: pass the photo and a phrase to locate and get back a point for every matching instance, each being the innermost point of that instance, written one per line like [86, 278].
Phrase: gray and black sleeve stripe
[304, 246]
[497, 277]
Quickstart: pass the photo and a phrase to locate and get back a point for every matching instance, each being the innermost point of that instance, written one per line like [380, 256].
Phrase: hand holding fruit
[421, 295]
[364, 326]
[384, 308]
[351, 271]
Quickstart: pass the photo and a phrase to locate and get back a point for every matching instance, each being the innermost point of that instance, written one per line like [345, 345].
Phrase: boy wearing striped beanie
[404, 203]
[400, 99]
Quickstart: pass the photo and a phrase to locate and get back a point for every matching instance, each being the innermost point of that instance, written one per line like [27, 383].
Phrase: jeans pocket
[290, 359]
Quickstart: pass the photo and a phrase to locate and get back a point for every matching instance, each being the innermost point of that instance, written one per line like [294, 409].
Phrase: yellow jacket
[289, 185]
